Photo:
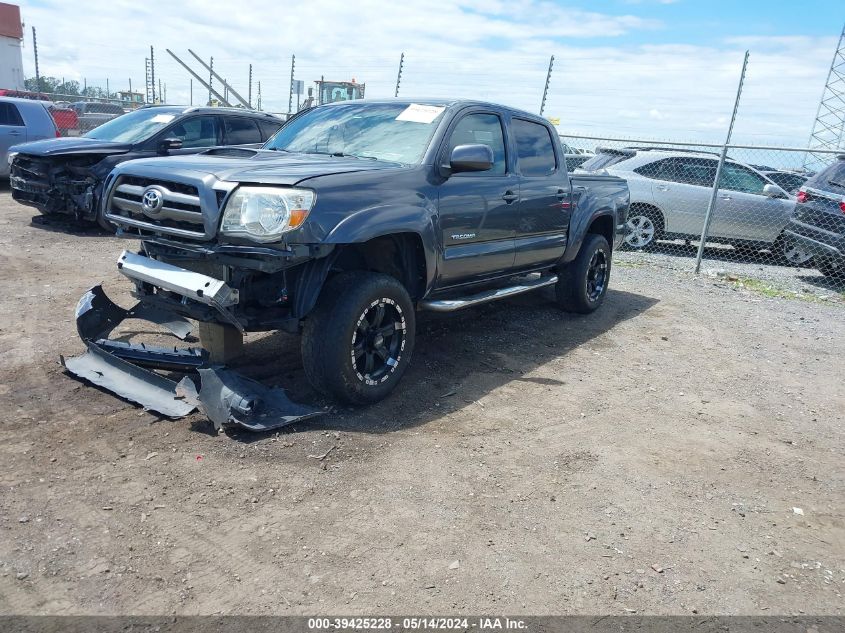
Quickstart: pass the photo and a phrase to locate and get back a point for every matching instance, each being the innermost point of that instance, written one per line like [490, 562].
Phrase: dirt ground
[679, 451]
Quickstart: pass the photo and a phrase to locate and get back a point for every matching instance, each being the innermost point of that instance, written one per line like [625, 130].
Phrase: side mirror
[471, 158]
[168, 144]
[772, 191]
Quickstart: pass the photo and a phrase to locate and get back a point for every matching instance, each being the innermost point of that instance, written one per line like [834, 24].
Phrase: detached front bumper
[128, 370]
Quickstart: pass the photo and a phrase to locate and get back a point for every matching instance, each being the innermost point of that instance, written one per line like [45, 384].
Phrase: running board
[450, 305]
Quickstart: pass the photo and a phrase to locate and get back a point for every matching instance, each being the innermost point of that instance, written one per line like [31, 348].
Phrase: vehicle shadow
[68, 225]
[834, 284]
[458, 359]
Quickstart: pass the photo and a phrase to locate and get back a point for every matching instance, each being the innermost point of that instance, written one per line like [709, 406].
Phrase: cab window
[534, 149]
[481, 129]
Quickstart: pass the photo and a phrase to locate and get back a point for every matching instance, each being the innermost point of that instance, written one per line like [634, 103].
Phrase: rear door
[12, 131]
[743, 212]
[478, 210]
[681, 189]
[544, 196]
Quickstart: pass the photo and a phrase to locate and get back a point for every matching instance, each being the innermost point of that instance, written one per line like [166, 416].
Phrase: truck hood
[259, 166]
[72, 145]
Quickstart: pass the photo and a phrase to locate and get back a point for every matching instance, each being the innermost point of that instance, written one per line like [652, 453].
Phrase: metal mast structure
[829, 128]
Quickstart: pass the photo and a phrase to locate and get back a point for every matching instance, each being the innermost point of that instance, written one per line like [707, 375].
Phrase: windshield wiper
[343, 155]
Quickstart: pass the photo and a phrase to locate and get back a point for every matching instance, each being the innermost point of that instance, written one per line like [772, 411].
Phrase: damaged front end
[68, 185]
[132, 370]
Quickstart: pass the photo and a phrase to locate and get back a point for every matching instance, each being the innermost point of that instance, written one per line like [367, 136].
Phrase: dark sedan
[66, 175]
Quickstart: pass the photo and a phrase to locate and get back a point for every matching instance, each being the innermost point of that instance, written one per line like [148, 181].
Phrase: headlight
[11, 157]
[264, 214]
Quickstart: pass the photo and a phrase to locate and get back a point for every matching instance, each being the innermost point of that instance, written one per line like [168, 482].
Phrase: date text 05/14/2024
[417, 623]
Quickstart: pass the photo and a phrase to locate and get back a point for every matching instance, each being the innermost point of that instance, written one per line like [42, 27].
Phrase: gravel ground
[679, 451]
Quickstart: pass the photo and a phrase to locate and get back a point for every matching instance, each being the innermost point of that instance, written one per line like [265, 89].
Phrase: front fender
[372, 222]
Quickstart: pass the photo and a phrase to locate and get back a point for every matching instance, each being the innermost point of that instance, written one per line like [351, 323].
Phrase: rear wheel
[582, 284]
[358, 341]
[645, 224]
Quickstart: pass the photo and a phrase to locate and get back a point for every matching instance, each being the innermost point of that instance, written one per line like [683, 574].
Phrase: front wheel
[789, 253]
[357, 342]
[582, 284]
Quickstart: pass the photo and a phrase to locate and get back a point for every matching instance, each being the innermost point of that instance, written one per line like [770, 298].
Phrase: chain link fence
[777, 214]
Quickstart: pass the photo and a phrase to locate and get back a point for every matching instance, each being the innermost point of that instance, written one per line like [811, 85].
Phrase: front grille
[180, 214]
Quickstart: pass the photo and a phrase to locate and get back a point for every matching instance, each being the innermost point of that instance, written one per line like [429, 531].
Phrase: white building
[11, 40]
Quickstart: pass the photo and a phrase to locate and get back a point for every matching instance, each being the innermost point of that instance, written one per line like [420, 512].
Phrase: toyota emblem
[151, 201]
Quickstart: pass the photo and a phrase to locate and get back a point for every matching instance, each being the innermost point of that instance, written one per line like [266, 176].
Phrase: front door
[478, 210]
[743, 212]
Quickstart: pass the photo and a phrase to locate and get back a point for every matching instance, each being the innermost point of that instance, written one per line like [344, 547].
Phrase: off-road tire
[335, 330]
[573, 291]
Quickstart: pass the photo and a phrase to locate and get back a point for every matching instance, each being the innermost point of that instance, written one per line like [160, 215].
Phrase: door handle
[725, 197]
[662, 188]
[509, 196]
[14, 133]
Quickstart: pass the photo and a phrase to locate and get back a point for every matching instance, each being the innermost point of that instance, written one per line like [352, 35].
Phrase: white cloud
[490, 49]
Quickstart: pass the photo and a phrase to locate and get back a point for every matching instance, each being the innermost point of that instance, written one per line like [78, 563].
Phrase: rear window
[9, 114]
[103, 108]
[603, 160]
[534, 148]
[831, 176]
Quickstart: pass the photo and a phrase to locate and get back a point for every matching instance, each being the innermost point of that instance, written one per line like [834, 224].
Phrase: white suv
[670, 191]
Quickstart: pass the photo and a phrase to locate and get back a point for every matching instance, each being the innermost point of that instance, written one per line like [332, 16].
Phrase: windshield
[133, 127]
[398, 132]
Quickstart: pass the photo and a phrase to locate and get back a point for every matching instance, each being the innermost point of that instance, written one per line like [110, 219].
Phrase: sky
[644, 69]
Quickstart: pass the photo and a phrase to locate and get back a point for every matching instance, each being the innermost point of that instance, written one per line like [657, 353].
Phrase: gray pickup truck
[351, 218]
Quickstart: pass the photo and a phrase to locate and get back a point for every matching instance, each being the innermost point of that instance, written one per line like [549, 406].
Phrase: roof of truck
[447, 103]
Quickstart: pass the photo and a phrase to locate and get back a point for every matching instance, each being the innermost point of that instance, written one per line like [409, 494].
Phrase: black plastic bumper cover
[227, 398]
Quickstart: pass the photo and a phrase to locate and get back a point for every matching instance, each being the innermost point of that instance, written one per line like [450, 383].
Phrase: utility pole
[160, 93]
[290, 96]
[829, 127]
[712, 204]
[259, 96]
[165, 92]
[546, 89]
[35, 52]
[249, 96]
[153, 73]
[147, 83]
[108, 92]
[210, 78]
[399, 75]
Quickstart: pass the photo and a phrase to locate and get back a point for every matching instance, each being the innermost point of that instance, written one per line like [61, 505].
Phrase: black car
[789, 181]
[818, 224]
[65, 175]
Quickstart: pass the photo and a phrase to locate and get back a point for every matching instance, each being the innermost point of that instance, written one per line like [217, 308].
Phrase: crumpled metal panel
[150, 390]
[97, 316]
[228, 399]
